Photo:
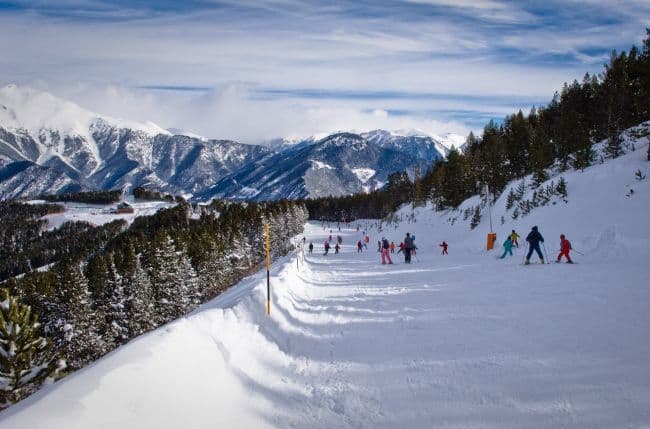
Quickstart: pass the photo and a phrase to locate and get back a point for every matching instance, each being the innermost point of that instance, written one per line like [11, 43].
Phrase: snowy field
[458, 341]
[99, 214]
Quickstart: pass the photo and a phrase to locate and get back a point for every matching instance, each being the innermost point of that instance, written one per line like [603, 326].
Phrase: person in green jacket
[507, 247]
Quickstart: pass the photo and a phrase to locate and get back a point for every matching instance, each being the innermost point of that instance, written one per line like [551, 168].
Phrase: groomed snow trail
[464, 340]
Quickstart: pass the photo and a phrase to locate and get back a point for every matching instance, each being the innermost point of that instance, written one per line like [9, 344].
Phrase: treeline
[376, 204]
[560, 135]
[90, 197]
[157, 270]
[142, 193]
[26, 244]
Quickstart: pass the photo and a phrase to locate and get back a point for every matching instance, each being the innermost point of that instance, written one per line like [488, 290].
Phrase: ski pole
[545, 254]
[524, 258]
[579, 253]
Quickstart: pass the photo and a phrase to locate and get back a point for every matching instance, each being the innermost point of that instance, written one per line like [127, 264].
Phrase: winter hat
[535, 228]
[561, 235]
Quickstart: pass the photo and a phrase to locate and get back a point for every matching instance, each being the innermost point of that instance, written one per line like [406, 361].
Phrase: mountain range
[50, 145]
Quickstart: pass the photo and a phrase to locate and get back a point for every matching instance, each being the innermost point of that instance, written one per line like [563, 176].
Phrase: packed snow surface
[465, 340]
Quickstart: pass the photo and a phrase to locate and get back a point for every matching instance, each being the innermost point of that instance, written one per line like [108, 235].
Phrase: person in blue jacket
[533, 239]
[507, 247]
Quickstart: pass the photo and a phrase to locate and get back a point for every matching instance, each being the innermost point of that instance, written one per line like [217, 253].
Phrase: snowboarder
[408, 248]
[311, 247]
[514, 237]
[533, 239]
[565, 248]
[327, 247]
[385, 254]
[507, 247]
[444, 246]
[336, 249]
[359, 246]
[392, 247]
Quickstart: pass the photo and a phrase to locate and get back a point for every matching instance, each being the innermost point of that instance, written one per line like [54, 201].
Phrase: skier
[378, 245]
[311, 247]
[401, 247]
[392, 247]
[444, 246]
[507, 247]
[366, 240]
[339, 239]
[336, 249]
[565, 248]
[533, 239]
[408, 248]
[415, 248]
[514, 237]
[385, 254]
[327, 247]
[359, 246]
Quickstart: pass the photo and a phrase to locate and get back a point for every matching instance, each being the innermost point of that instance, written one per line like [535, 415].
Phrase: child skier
[359, 246]
[336, 249]
[507, 247]
[565, 248]
[385, 254]
[444, 246]
[311, 247]
[513, 237]
[327, 247]
[392, 247]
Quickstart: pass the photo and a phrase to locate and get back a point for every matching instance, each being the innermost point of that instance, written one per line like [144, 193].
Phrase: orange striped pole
[268, 269]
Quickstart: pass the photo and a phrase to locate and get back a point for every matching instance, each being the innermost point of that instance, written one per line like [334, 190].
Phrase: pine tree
[561, 189]
[115, 308]
[26, 357]
[614, 143]
[140, 309]
[476, 218]
[74, 322]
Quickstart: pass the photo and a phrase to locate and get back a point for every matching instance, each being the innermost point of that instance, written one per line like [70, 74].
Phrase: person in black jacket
[408, 248]
[533, 239]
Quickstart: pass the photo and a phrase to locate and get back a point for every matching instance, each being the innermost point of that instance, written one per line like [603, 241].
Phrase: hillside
[464, 340]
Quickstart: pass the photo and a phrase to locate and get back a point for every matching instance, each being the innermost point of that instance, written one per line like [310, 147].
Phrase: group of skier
[408, 247]
[534, 239]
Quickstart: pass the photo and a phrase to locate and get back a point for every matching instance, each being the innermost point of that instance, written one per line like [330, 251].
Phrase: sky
[257, 70]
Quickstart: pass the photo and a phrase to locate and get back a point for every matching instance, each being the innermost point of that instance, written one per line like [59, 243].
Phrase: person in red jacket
[444, 246]
[565, 247]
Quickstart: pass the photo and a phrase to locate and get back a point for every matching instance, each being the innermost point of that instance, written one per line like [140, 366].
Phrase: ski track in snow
[458, 341]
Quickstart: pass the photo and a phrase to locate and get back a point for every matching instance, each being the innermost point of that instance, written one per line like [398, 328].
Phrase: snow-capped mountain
[50, 145]
[339, 164]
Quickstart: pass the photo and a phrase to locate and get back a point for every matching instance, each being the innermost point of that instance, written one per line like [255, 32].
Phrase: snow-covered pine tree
[174, 281]
[561, 189]
[140, 291]
[115, 308]
[74, 322]
[26, 357]
[476, 218]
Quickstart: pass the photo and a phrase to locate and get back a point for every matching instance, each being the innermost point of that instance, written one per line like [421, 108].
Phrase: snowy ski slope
[464, 340]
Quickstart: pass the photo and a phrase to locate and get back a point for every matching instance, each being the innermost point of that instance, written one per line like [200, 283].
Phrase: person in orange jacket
[392, 247]
[565, 248]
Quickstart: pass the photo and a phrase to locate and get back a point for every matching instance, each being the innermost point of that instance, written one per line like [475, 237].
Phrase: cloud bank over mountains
[272, 68]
